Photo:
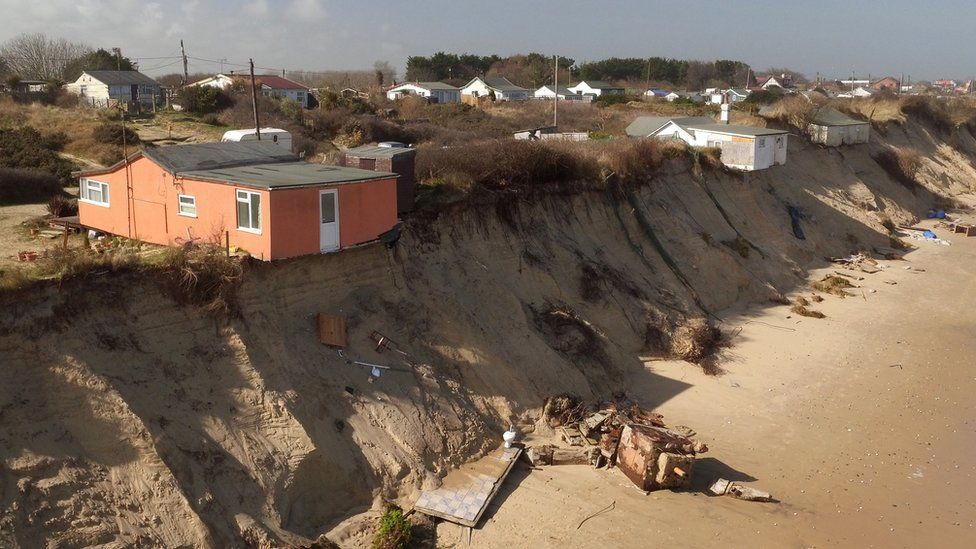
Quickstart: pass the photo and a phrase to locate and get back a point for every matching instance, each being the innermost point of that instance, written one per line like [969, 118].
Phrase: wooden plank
[332, 330]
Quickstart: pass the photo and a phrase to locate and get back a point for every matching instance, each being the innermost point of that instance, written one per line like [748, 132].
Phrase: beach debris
[857, 262]
[509, 436]
[833, 284]
[795, 217]
[332, 330]
[622, 434]
[600, 512]
[722, 487]
[965, 229]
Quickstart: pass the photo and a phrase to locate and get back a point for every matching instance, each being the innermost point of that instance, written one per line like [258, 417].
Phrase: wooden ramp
[466, 492]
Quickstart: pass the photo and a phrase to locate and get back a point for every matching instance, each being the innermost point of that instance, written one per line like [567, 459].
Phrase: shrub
[794, 110]
[292, 110]
[303, 144]
[203, 276]
[608, 99]
[211, 119]
[930, 110]
[18, 186]
[393, 531]
[62, 264]
[26, 148]
[505, 164]
[203, 99]
[112, 133]
[62, 206]
[764, 97]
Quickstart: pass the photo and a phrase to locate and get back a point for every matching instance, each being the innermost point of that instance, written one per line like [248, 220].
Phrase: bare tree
[36, 56]
[385, 73]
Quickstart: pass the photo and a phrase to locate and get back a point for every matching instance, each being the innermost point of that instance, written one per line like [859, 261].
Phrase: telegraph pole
[254, 103]
[186, 75]
[555, 91]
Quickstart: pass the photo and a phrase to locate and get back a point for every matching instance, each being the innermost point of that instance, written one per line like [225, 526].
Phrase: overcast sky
[924, 39]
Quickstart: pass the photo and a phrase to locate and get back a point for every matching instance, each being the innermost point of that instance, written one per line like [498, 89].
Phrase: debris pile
[622, 434]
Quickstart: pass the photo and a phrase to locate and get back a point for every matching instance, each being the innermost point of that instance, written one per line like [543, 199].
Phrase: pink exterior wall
[366, 210]
[289, 217]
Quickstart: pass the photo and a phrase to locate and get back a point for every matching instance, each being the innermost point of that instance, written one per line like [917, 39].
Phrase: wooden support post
[227, 242]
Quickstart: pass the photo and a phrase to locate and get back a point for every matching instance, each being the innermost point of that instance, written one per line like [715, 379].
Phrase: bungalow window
[779, 142]
[761, 142]
[249, 211]
[93, 192]
[188, 205]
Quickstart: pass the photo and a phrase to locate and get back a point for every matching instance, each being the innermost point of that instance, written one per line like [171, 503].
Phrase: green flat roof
[283, 175]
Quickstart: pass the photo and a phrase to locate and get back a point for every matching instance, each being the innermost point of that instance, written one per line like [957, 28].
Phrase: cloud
[306, 10]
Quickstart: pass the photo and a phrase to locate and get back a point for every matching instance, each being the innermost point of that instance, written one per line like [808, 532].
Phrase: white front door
[329, 220]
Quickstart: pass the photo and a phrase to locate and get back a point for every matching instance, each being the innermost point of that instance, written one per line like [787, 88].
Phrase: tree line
[35, 56]
[534, 69]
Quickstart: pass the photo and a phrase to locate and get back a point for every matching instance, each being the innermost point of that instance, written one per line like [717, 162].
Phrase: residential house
[830, 127]
[435, 92]
[269, 85]
[253, 195]
[783, 81]
[398, 160]
[596, 88]
[717, 97]
[694, 97]
[105, 88]
[860, 91]
[549, 92]
[549, 132]
[498, 87]
[743, 147]
[889, 83]
[656, 94]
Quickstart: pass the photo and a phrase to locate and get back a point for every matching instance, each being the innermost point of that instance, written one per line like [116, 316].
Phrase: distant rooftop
[122, 78]
[374, 151]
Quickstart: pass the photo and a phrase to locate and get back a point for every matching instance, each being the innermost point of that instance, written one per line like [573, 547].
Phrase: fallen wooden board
[332, 330]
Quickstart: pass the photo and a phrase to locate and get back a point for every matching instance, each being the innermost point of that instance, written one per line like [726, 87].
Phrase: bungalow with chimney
[252, 195]
[743, 147]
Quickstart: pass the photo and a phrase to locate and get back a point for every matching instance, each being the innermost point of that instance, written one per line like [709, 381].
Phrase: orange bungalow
[257, 196]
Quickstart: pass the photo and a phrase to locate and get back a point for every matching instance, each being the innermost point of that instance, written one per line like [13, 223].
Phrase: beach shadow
[520, 471]
[708, 470]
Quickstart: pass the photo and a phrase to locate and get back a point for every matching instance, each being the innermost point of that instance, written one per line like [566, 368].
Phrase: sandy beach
[861, 425]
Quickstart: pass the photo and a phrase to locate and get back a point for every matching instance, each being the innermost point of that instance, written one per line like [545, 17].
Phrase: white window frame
[761, 142]
[84, 192]
[247, 197]
[191, 202]
[779, 142]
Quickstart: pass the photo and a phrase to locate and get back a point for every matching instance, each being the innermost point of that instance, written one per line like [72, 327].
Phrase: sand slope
[130, 419]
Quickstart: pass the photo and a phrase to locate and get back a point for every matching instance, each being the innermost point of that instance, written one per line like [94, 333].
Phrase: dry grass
[831, 284]
[878, 111]
[794, 110]
[695, 340]
[203, 276]
[77, 123]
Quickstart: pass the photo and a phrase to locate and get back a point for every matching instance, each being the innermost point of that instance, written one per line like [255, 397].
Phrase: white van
[271, 135]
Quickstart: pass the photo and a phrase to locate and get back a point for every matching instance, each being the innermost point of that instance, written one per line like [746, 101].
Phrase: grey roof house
[103, 88]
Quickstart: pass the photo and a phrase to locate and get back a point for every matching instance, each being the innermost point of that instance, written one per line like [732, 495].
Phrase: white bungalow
[596, 88]
[436, 92]
[860, 91]
[501, 88]
[830, 127]
[100, 88]
[549, 92]
[743, 147]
